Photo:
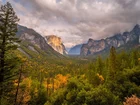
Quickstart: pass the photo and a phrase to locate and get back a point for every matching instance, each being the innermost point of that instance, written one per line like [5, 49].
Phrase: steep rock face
[29, 35]
[56, 43]
[96, 46]
[75, 50]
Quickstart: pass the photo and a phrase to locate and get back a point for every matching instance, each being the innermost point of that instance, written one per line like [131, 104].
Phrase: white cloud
[77, 20]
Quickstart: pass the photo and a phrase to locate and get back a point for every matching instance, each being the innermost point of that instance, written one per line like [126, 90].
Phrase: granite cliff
[118, 40]
[56, 43]
[34, 39]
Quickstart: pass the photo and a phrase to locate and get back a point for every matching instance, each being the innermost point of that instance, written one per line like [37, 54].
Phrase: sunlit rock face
[56, 43]
[118, 40]
[31, 36]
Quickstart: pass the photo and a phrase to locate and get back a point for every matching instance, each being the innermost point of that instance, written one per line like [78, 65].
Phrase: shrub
[133, 100]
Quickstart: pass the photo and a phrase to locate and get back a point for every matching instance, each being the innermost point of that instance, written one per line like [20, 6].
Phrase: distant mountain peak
[136, 29]
[75, 50]
[137, 26]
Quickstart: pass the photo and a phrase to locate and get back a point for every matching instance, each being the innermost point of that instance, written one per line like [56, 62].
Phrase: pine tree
[112, 63]
[8, 29]
[99, 65]
[134, 59]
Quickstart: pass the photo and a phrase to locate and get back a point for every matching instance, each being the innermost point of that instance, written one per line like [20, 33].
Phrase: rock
[56, 43]
[29, 35]
[118, 40]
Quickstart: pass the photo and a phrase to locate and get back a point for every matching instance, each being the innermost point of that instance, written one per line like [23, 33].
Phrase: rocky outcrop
[118, 40]
[75, 50]
[28, 35]
[56, 43]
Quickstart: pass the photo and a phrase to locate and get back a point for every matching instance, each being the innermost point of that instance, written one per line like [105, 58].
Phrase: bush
[133, 100]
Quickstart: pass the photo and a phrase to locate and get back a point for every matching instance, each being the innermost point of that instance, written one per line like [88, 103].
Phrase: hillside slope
[33, 41]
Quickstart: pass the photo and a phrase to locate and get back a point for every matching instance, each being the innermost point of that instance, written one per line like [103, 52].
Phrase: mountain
[56, 43]
[33, 41]
[126, 40]
[75, 50]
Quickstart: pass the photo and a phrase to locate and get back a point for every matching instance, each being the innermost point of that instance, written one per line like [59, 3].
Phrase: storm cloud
[75, 21]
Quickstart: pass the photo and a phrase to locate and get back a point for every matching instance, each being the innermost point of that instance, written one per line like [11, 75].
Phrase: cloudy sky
[75, 21]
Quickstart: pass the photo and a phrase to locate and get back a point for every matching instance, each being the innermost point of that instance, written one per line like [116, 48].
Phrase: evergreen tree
[134, 59]
[112, 63]
[99, 65]
[8, 29]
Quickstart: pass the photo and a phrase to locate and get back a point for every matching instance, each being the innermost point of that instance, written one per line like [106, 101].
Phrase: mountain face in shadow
[34, 39]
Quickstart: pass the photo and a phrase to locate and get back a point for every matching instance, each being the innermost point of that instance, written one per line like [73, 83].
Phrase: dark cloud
[127, 3]
[79, 18]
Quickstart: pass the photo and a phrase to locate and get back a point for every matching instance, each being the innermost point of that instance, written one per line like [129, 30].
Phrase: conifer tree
[112, 63]
[99, 65]
[134, 59]
[8, 29]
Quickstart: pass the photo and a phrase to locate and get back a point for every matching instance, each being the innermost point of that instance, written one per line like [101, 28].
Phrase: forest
[44, 80]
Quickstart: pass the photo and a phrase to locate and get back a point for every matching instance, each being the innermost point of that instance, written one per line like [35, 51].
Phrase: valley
[36, 69]
[57, 78]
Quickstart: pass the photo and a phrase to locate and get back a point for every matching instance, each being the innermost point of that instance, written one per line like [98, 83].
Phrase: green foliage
[8, 43]
[41, 97]
[91, 83]
[79, 92]
[134, 59]
[112, 63]
[102, 96]
[99, 65]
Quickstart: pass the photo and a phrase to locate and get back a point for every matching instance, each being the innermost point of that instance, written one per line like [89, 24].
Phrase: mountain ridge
[32, 39]
[94, 46]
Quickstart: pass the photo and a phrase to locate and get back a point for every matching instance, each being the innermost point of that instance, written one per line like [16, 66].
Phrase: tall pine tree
[112, 63]
[99, 65]
[8, 29]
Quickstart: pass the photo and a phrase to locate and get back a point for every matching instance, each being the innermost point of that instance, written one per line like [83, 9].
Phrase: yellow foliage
[23, 59]
[24, 91]
[57, 82]
[62, 80]
[100, 77]
[36, 92]
[27, 82]
[26, 97]
[15, 82]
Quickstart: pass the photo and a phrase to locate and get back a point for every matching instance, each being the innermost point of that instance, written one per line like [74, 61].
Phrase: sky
[75, 21]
